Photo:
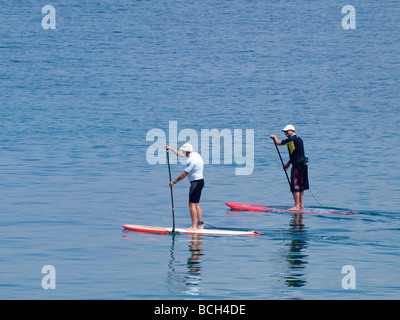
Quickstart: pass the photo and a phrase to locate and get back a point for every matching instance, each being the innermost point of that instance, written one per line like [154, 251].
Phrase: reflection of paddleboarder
[194, 261]
[299, 173]
[194, 172]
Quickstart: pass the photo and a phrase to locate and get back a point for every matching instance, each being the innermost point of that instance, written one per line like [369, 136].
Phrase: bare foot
[295, 208]
[191, 228]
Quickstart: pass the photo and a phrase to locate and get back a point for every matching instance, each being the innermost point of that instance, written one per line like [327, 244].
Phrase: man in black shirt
[299, 173]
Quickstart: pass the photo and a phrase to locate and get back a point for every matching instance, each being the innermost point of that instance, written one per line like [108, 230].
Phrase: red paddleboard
[257, 207]
[213, 231]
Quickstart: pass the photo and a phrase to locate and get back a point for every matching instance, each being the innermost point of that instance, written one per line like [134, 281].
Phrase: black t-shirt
[295, 147]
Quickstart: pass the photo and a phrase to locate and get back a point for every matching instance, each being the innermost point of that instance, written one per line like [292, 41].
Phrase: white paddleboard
[213, 231]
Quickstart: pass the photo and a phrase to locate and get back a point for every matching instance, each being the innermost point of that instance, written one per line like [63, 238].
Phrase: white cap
[288, 127]
[187, 147]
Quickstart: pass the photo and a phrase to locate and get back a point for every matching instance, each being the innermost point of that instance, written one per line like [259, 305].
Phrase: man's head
[288, 130]
[187, 148]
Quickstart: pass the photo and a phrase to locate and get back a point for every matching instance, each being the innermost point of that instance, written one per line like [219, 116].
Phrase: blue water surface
[78, 101]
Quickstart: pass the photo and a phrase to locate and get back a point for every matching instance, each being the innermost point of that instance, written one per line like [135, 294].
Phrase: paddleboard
[257, 207]
[213, 231]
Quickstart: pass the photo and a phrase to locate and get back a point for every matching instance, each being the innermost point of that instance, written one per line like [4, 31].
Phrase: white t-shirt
[194, 166]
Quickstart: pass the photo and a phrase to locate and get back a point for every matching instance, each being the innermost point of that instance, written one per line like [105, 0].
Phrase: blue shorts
[195, 190]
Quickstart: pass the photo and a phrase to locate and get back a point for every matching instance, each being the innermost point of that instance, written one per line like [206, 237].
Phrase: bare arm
[275, 138]
[279, 143]
[178, 153]
[180, 178]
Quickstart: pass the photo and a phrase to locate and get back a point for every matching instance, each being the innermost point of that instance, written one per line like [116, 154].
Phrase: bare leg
[196, 215]
[301, 200]
[296, 197]
[199, 216]
[193, 216]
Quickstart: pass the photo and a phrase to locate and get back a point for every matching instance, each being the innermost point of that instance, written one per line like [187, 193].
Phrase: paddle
[287, 177]
[172, 195]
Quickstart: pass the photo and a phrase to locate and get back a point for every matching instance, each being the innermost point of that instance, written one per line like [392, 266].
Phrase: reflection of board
[140, 228]
[257, 207]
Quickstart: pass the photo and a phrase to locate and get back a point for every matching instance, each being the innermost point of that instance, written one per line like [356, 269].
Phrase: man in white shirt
[194, 172]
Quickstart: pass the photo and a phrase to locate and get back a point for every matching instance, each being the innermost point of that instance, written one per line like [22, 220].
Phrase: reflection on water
[187, 281]
[193, 278]
[296, 257]
[185, 274]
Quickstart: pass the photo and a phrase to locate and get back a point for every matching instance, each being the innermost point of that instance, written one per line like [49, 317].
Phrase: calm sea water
[77, 103]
